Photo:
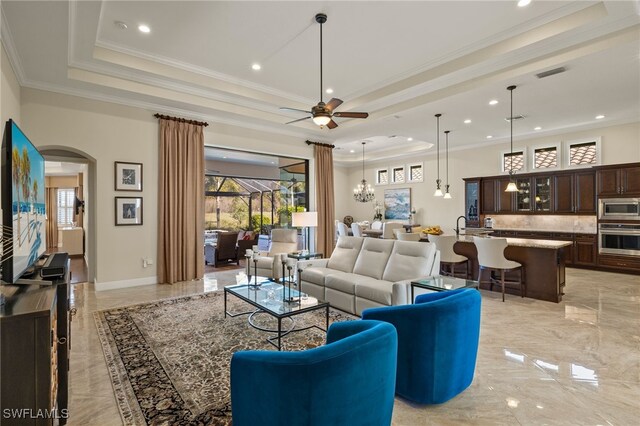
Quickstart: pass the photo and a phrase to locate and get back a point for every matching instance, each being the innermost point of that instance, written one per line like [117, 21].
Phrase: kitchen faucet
[458, 224]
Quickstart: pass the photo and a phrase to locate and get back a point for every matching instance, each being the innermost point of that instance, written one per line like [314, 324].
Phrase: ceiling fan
[322, 114]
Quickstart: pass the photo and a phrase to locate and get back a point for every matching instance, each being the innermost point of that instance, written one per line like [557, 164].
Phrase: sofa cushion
[316, 274]
[343, 281]
[345, 254]
[373, 257]
[376, 290]
[409, 259]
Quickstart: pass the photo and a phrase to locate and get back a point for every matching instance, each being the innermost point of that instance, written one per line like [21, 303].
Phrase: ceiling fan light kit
[322, 114]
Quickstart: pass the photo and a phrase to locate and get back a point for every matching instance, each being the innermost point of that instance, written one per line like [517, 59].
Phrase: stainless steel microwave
[619, 208]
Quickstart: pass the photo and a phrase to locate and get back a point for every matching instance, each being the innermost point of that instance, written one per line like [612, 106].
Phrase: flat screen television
[23, 207]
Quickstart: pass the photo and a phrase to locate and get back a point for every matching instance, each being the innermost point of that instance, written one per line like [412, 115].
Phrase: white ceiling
[402, 62]
[57, 168]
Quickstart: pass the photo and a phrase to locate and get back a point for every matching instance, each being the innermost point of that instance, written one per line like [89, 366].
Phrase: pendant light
[363, 192]
[511, 187]
[438, 192]
[447, 195]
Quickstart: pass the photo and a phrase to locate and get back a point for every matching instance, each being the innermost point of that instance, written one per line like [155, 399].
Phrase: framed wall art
[128, 176]
[397, 203]
[128, 211]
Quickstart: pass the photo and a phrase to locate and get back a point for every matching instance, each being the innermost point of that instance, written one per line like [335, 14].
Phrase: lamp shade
[302, 219]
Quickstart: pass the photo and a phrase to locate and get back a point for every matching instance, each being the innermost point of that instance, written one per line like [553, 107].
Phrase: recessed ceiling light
[352, 151]
[120, 25]
[409, 139]
[489, 137]
[537, 128]
[256, 67]
[224, 157]
[144, 28]
[467, 121]
[523, 3]
[493, 102]
[329, 90]
[599, 117]
[273, 162]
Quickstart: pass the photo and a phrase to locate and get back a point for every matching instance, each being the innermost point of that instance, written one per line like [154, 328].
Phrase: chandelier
[363, 192]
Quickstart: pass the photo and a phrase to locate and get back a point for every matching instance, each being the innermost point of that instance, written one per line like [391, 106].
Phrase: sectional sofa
[368, 272]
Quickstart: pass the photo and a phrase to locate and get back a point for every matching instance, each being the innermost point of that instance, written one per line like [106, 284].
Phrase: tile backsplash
[568, 223]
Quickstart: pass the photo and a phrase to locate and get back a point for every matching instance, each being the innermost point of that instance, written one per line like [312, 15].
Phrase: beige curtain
[325, 203]
[51, 202]
[180, 202]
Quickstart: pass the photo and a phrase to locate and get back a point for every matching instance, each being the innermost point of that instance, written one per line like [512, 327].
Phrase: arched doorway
[71, 155]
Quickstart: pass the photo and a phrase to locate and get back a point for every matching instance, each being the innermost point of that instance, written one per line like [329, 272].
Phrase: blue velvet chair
[348, 381]
[437, 343]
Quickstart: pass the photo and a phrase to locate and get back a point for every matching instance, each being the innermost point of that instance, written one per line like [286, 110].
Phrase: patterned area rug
[169, 360]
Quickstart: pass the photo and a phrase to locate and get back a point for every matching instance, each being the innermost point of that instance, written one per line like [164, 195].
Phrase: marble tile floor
[572, 363]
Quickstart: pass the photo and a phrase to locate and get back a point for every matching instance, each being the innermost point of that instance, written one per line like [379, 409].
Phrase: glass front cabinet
[472, 197]
[543, 193]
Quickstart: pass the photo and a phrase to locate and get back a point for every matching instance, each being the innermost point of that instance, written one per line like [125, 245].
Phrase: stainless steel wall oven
[619, 238]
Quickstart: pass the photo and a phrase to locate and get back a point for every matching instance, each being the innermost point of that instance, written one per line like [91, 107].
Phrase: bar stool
[491, 257]
[448, 257]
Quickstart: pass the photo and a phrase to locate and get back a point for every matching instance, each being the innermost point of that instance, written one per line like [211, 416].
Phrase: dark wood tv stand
[35, 341]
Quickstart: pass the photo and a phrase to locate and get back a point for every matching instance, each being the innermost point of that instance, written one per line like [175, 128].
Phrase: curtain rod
[308, 142]
[181, 120]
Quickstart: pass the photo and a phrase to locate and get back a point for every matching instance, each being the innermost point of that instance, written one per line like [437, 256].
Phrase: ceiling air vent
[515, 117]
[554, 71]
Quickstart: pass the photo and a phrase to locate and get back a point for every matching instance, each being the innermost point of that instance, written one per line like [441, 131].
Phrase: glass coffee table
[281, 302]
[442, 283]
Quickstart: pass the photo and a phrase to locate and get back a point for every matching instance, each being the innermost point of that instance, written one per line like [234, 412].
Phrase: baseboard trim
[113, 285]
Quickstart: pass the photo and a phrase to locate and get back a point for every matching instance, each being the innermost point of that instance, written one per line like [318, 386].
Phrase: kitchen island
[543, 261]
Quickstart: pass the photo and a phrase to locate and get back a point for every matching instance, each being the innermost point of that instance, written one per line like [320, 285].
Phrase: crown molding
[184, 66]
[155, 107]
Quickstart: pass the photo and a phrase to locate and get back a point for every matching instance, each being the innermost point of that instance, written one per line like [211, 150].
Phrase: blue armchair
[348, 381]
[437, 343]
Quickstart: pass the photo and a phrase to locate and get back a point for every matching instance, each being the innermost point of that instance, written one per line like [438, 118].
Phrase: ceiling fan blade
[299, 119]
[294, 109]
[351, 114]
[333, 103]
[332, 124]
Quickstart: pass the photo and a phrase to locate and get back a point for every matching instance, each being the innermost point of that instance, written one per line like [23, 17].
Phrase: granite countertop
[526, 242]
[563, 231]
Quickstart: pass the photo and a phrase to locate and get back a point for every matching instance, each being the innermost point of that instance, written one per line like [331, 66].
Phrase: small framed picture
[128, 211]
[128, 176]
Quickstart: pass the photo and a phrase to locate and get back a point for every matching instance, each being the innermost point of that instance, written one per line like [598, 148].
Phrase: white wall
[619, 144]
[9, 92]
[107, 133]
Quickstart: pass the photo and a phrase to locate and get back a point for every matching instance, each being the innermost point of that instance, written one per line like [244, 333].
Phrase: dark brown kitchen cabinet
[488, 195]
[585, 194]
[505, 199]
[564, 194]
[618, 180]
[575, 192]
[585, 250]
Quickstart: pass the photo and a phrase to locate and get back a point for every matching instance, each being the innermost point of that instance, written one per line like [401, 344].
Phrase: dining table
[376, 233]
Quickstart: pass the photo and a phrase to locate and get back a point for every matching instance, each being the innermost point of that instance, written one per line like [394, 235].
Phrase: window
[518, 161]
[583, 153]
[415, 172]
[545, 158]
[66, 199]
[398, 174]
[382, 177]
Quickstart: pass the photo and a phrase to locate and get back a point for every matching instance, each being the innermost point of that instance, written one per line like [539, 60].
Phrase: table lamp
[305, 220]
